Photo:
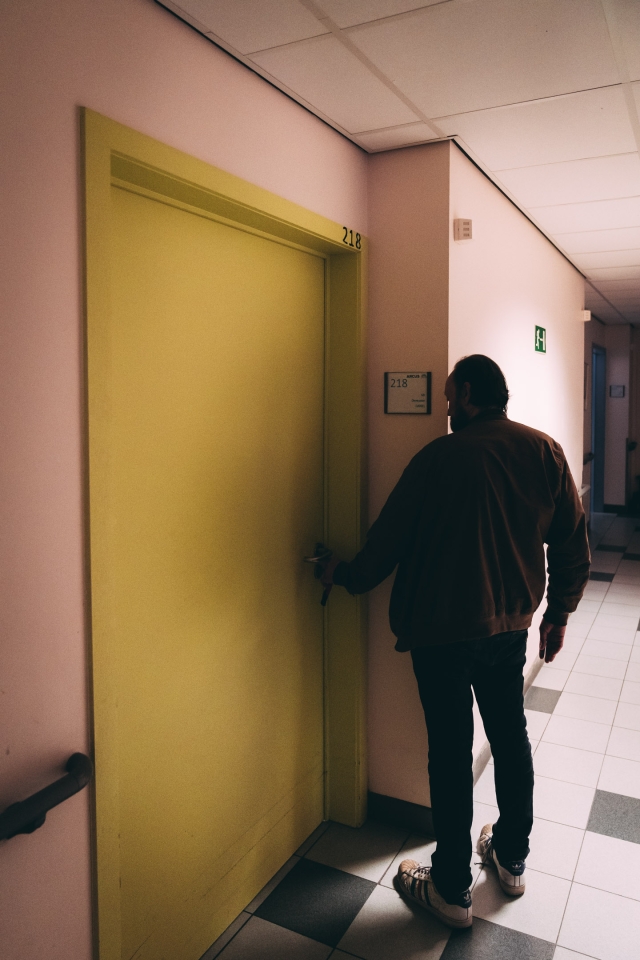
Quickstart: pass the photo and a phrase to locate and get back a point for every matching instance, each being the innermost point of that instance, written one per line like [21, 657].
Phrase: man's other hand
[326, 578]
[551, 640]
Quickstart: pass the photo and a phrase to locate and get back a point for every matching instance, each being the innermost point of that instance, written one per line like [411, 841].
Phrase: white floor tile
[538, 913]
[259, 938]
[365, 852]
[624, 743]
[534, 745]
[555, 848]
[582, 734]
[573, 645]
[561, 953]
[628, 715]
[551, 679]
[595, 590]
[536, 723]
[613, 634]
[311, 839]
[601, 925]
[606, 688]
[633, 672]
[561, 802]
[566, 763]
[635, 654]
[610, 651]
[485, 790]
[585, 708]
[629, 568]
[621, 609]
[610, 864]
[627, 578]
[630, 692]
[600, 666]
[273, 883]
[387, 928]
[620, 776]
[225, 937]
[578, 628]
[623, 593]
[587, 606]
[620, 621]
[564, 661]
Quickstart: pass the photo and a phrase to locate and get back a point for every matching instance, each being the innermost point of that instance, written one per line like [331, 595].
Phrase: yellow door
[211, 493]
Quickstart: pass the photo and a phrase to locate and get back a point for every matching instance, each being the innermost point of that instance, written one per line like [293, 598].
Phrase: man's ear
[465, 394]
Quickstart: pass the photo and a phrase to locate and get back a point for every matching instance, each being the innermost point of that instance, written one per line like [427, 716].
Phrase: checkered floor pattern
[335, 897]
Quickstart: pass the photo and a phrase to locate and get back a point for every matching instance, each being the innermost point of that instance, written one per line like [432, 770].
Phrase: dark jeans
[445, 674]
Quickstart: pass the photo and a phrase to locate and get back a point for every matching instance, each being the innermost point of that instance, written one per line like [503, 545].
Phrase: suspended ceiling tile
[327, 76]
[590, 124]
[598, 274]
[599, 178]
[593, 241]
[252, 24]
[599, 215]
[456, 57]
[392, 137]
[613, 258]
[346, 13]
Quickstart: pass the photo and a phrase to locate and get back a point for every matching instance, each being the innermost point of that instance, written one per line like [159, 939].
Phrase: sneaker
[511, 874]
[414, 882]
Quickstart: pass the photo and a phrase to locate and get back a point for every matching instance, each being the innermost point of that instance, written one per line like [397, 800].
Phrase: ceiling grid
[544, 95]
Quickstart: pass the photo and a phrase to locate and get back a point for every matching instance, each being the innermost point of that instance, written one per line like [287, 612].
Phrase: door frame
[113, 153]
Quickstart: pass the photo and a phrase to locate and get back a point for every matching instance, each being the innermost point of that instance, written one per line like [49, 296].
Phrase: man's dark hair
[486, 379]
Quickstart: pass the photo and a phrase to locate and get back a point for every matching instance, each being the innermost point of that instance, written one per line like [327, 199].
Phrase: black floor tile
[631, 556]
[317, 901]
[595, 575]
[489, 941]
[613, 815]
[541, 699]
[609, 549]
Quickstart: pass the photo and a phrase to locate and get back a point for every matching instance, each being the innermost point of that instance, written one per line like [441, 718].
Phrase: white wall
[503, 283]
[500, 285]
[134, 62]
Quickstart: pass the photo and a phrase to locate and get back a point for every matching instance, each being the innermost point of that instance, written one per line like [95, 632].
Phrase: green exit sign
[541, 340]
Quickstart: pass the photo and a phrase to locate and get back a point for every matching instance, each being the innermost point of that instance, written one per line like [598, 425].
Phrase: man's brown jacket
[466, 526]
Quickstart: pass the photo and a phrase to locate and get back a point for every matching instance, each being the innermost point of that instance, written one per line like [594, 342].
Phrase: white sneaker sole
[442, 917]
[507, 882]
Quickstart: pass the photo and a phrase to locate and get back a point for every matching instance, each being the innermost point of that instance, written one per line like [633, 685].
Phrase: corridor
[335, 897]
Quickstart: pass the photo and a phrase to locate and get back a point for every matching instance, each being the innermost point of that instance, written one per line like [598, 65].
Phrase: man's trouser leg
[498, 685]
[445, 675]
[445, 691]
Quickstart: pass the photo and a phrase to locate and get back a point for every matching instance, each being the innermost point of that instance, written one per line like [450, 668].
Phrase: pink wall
[408, 294]
[134, 62]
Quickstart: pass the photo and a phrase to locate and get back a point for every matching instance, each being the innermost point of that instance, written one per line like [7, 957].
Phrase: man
[466, 527]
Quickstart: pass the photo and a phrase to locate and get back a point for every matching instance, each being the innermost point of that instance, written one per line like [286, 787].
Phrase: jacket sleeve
[390, 535]
[568, 557]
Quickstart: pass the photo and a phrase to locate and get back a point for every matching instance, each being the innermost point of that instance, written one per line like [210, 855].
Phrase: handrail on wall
[25, 816]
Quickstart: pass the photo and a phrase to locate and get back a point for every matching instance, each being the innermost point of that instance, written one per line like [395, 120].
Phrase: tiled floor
[336, 899]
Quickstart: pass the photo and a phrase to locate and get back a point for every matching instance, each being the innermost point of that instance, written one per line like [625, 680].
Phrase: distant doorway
[598, 393]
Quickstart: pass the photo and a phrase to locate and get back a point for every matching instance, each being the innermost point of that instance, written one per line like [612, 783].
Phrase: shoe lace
[421, 873]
